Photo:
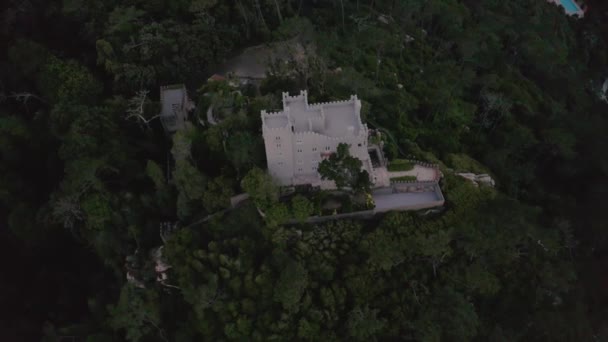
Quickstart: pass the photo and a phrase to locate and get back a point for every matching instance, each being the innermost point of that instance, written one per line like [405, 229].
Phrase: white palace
[302, 135]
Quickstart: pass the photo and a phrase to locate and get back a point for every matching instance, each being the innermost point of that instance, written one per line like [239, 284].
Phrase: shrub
[464, 163]
[400, 165]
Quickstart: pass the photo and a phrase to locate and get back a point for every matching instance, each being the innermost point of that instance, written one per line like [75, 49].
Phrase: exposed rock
[254, 62]
[161, 266]
[235, 200]
[134, 281]
[210, 117]
[482, 178]
[383, 19]
[604, 91]
[133, 268]
[485, 179]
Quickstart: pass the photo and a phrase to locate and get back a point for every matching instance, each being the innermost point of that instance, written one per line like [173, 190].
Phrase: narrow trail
[388, 133]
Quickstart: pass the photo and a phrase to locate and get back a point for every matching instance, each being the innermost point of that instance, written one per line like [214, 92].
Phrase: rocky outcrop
[482, 178]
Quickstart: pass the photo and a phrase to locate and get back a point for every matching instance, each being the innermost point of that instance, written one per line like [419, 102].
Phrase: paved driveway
[382, 178]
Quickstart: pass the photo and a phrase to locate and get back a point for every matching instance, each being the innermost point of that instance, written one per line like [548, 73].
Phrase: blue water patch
[570, 6]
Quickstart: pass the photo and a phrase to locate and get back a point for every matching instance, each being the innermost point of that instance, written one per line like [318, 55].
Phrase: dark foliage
[88, 193]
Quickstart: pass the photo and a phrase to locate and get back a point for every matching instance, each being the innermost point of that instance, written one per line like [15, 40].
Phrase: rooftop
[333, 119]
[276, 121]
[172, 98]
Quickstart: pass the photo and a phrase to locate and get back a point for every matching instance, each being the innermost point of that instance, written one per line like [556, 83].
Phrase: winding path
[210, 117]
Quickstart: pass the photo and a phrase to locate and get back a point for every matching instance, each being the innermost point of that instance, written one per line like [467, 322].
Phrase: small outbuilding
[175, 106]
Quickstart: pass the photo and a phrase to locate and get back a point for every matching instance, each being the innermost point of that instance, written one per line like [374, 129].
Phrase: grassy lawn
[404, 179]
[400, 165]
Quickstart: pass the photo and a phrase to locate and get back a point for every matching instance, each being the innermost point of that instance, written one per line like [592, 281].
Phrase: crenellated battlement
[318, 136]
[274, 120]
[332, 103]
[269, 114]
[302, 96]
[276, 129]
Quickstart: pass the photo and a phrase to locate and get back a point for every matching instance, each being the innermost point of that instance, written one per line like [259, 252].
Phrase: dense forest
[95, 198]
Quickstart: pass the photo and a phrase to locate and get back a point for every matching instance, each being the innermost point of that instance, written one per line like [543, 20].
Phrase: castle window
[314, 149]
[278, 145]
[300, 150]
[299, 169]
[299, 141]
[314, 168]
[326, 148]
[277, 138]
[359, 144]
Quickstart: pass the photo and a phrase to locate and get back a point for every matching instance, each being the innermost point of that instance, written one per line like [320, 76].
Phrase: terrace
[414, 196]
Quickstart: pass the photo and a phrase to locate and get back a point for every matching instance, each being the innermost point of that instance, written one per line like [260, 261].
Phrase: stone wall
[366, 214]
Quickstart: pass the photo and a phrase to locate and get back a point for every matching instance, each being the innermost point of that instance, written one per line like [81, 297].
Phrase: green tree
[308, 330]
[189, 181]
[363, 323]
[190, 185]
[291, 286]
[277, 214]
[97, 211]
[345, 170]
[218, 193]
[448, 316]
[241, 149]
[385, 249]
[68, 82]
[261, 187]
[301, 208]
[156, 174]
[137, 313]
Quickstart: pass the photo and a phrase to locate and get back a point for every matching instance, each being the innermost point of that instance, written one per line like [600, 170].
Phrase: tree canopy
[345, 170]
[118, 231]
